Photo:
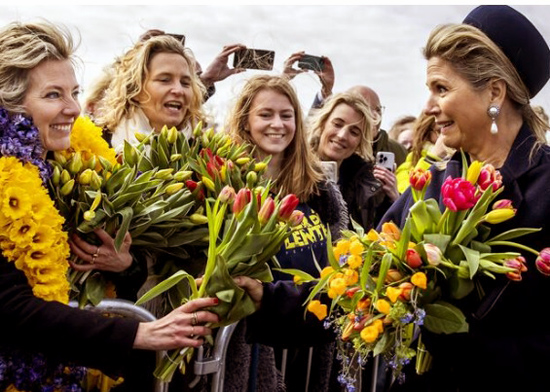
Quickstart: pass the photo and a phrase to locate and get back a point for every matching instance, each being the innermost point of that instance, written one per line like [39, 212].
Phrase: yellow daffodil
[373, 235]
[356, 248]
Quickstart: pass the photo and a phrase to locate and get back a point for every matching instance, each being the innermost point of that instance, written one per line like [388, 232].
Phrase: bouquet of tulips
[246, 229]
[155, 191]
[382, 286]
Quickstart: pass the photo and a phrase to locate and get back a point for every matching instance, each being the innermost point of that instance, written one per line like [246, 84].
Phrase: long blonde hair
[300, 172]
[357, 103]
[23, 46]
[479, 60]
[129, 76]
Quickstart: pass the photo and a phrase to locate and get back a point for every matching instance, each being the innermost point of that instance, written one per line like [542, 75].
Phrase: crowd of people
[495, 58]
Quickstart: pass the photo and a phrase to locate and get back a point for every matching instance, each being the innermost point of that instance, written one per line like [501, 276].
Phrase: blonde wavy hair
[23, 46]
[357, 103]
[129, 75]
[479, 60]
[300, 172]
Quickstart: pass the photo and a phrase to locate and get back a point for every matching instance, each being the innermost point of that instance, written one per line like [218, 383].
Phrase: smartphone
[179, 37]
[330, 168]
[315, 63]
[386, 159]
[254, 59]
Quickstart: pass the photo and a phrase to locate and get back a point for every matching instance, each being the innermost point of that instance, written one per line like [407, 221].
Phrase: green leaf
[514, 233]
[384, 267]
[439, 240]
[94, 289]
[166, 285]
[442, 317]
[126, 214]
[89, 226]
[472, 257]
[460, 287]
[296, 272]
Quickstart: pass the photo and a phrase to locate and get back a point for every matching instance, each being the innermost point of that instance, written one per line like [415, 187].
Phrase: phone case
[314, 63]
[254, 59]
[386, 159]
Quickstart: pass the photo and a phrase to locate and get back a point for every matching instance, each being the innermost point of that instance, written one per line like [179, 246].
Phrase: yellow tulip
[473, 172]
[500, 215]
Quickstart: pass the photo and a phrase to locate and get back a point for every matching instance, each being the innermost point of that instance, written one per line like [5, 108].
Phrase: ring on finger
[192, 331]
[194, 319]
[94, 257]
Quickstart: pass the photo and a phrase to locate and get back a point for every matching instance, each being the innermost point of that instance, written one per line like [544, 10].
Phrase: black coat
[508, 344]
[362, 192]
[60, 332]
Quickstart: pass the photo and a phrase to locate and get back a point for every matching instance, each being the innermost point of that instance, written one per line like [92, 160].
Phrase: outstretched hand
[179, 328]
[288, 70]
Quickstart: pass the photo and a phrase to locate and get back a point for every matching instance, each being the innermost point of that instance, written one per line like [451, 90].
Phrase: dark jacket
[508, 345]
[384, 143]
[60, 332]
[360, 190]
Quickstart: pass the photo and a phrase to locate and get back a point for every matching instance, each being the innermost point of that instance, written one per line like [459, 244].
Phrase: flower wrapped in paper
[381, 287]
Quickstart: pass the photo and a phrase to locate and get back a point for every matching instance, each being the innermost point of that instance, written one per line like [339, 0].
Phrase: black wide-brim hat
[518, 39]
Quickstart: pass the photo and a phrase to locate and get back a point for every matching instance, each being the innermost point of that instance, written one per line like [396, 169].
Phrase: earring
[493, 112]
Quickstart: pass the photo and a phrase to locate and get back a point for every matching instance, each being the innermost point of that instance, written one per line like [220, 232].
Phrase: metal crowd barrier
[215, 364]
[123, 308]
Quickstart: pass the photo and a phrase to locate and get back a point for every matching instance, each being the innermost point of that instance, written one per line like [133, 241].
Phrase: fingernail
[216, 301]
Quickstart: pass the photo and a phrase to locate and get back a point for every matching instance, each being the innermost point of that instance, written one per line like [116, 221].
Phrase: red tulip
[192, 185]
[413, 258]
[227, 195]
[501, 204]
[288, 205]
[458, 194]
[543, 262]
[420, 178]
[266, 211]
[241, 200]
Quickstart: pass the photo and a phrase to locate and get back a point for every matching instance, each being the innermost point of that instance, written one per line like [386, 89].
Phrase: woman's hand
[388, 180]
[290, 72]
[104, 257]
[179, 328]
[253, 287]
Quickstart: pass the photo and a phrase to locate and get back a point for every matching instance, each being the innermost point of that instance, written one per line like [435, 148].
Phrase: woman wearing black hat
[481, 76]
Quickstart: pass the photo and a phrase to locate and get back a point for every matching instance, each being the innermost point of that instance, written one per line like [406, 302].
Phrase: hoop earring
[493, 112]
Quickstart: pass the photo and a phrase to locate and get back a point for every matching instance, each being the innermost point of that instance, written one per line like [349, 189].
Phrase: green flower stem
[442, 221]
[168, 366]
[513, 244]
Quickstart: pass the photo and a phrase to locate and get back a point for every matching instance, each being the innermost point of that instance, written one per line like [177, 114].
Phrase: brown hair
[300, 171]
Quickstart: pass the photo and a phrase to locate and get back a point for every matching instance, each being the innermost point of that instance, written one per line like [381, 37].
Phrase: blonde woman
[342, 132]
[154, 84]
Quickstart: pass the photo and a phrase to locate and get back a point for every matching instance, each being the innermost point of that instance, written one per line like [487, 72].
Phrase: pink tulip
[489, 176]
[227, 195]
[266, 211]
[543, 262]
[501, 204]
[458, 194]
[519, 265]
[296, 218]
[288, 205]
[433, 253]
[241, 200]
